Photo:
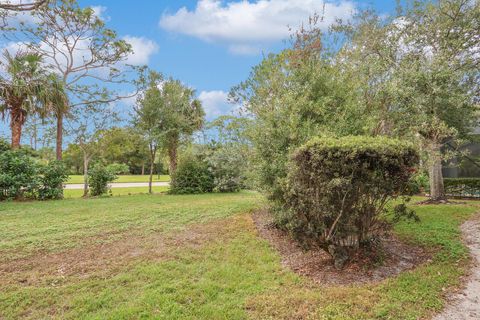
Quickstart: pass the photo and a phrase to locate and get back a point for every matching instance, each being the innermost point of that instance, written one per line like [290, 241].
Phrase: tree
[9, 9]
[27, 89]
[230, 130]
[87, 124]
[125, 145]
[420, 72]
[39, 131]
[18, 7]
[291, 97]
[181, 115]
[82, 50]
[73, 158]
[229, 153]
[148, 118]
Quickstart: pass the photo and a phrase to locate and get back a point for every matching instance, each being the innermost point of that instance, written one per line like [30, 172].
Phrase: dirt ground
[318, 265]
[465, 304]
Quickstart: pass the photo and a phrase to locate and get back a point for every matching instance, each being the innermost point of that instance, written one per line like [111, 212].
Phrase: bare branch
[22, 7]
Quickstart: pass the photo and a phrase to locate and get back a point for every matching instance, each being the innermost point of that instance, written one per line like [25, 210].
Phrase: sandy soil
[466, 303]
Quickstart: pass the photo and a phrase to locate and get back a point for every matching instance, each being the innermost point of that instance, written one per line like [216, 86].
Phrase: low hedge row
[462, 187]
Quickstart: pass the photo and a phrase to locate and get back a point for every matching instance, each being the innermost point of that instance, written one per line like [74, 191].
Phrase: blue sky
[211, 45]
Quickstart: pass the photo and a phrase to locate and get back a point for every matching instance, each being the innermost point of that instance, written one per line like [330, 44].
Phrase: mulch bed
[318, 265]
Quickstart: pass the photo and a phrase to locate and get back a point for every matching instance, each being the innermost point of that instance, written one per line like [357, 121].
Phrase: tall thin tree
[86, 54]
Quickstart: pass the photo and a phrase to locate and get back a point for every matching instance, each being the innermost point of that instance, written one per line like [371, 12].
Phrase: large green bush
[336, 192]
[98, 179]
[228, 167]
[192, 176]
[18, 175]
[52, 178]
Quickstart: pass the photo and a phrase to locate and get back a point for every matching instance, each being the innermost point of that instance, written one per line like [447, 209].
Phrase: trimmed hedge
[462, 187]
[337, 190]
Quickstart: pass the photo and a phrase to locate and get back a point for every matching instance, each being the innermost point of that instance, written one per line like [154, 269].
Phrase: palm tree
[27, 88]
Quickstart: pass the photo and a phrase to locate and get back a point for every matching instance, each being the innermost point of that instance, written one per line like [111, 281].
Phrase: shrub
[118, 168]
[192, 176]
[337, 190]
[227, 166]
[462, 187]
[419, 183]
[98, 179]
[53, 176]
[4, 145]
[18, 175]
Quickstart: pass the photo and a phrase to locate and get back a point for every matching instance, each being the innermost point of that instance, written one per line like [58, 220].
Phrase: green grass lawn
[125, 178]
[196, 257]
[74, 193]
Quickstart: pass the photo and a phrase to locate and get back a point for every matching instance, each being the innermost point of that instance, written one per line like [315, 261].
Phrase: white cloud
[99, 12]
[142, 48]
[245, 26]
[15, 18]
[215, 103]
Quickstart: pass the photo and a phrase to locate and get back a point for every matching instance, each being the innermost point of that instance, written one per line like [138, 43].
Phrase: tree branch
[21, 7]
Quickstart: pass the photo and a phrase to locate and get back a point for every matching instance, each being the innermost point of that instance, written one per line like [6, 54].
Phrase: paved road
[122, 185]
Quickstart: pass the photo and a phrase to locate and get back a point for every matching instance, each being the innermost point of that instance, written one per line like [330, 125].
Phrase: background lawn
[124, 178]
[74, 193]
[196, 257]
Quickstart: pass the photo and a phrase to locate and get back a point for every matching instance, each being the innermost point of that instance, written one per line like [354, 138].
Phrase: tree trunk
[172, 155]
[59, 135]
[153, 151]
[437, 190]
[16, 126]
[85, 175]
[143, 168]
[150, 179]
[17, 117]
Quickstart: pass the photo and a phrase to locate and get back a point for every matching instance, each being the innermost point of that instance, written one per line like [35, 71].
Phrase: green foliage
[228, 167]
[166, 116]
[98, 179]
[290, 101]
[411, 90]
[52, 178]
[419, 183]
[192, 176]
[4, 145]
[29, 89]
[124, 145]
[18, 175]
[380, 78]
[21, 177]
[118, 168]
[73, 159]
[462, 187]
[337, 190]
